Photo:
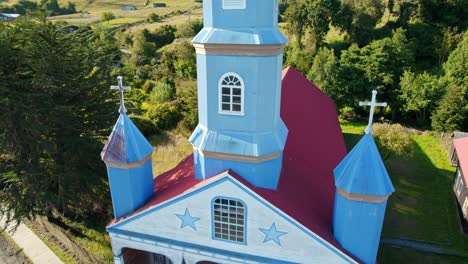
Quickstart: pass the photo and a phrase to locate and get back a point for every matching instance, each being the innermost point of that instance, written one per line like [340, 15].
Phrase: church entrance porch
[134, 256]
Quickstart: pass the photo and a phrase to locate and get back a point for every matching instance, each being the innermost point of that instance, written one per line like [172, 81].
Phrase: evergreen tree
[56, 108]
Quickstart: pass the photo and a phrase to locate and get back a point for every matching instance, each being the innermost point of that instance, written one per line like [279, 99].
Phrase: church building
[269, 179]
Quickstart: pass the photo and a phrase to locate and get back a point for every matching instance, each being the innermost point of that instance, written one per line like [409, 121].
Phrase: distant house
[155, 5]
[461, 177]
[6, 16]
[128, 8]
[69, 29]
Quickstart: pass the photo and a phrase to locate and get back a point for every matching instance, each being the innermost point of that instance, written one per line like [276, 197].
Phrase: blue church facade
[243, 195]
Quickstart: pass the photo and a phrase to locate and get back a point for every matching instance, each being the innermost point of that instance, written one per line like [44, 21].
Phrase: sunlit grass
[170, 148]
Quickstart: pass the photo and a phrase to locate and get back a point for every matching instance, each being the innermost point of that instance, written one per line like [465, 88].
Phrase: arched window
[229, 220]
[231, 94]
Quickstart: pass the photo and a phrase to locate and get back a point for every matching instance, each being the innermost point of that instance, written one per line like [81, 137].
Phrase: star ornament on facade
[272, 234]
[187, 220]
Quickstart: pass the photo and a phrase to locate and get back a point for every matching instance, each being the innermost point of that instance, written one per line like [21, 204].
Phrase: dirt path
[8, 253]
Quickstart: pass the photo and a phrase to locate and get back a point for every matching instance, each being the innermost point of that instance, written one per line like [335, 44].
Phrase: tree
[378, 65]
[107, 16]
[324, 72]
[420, 94]
[451, 112]
[312, 15]
[56, 108]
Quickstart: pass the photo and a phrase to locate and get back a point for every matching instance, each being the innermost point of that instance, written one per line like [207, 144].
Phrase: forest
[56, 108]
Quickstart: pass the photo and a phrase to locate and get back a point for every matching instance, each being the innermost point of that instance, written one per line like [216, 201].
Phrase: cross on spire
[121, 88]
[372, 105]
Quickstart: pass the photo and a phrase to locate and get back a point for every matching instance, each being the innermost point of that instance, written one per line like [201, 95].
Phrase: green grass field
[423, 206]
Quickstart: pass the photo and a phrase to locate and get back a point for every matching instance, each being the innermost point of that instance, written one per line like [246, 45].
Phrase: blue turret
[362, 189]
[239, 63]
[127, 155]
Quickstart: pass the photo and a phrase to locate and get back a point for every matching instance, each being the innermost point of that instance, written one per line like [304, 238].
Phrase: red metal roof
[314, 147]
[461, 147]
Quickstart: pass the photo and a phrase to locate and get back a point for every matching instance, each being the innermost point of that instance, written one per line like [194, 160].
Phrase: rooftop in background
[461, 148]
[7, 16]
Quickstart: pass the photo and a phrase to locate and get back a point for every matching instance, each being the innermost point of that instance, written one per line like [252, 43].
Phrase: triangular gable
[162, 223]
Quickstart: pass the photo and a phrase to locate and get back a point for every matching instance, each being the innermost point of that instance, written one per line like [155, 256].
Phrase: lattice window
[234, 4]
[229, 216]
[231, 94]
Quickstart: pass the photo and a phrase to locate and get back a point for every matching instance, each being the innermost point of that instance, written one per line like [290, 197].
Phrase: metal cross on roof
[372, 105]
[121, 88]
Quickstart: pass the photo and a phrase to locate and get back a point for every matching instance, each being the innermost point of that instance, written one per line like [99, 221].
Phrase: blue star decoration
[272, 234]
[187, 220]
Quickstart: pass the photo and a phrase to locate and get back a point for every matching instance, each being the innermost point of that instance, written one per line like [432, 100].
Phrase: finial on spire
[372, 105]
[121, 88]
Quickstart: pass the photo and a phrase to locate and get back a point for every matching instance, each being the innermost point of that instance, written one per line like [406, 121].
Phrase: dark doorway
[135, 256]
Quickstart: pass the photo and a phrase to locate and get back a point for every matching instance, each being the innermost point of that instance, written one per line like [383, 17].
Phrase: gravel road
[10, 255]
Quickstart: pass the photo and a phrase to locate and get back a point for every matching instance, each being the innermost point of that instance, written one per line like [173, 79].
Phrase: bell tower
[239, 63]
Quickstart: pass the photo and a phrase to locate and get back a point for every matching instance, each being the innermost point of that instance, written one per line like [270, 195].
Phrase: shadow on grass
[422, 207]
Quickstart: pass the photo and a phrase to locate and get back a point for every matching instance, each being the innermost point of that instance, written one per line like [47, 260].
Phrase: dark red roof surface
[314, 147]
[461, 147]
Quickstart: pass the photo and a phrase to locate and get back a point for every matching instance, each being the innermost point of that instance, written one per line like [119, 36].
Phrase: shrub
[154, 18]
[164, 116]
[161, 93]
[393, 140]
[145, 125]
[148, 86]
[107, 16]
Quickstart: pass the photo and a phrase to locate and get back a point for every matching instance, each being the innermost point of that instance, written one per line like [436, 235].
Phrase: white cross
[121, 88]
[372, 105]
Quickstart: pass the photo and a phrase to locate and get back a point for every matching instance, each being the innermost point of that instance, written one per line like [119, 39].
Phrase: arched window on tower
[229, 220]
[231, 94]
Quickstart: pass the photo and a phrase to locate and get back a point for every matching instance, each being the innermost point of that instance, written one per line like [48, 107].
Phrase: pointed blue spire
[127, 155]
[363, 172]
[126, 144]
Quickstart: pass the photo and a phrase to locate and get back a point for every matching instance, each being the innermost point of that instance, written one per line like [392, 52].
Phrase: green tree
[56, 108]
[451, 112]
[420, 94]
[324, 72]
[312, 15]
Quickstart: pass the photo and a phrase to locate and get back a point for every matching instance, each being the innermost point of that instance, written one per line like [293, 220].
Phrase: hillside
[90, 11]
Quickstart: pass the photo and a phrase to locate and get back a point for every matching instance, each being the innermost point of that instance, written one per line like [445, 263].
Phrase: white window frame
[242, 6]
[465, 206]
[229, 220]
[220, 94]
[459, 182]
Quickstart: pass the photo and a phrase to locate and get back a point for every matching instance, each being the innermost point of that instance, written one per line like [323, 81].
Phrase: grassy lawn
[423, 206]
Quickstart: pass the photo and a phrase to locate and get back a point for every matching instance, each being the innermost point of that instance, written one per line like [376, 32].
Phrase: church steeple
[362, 189]
[127, 155]
[239, 63]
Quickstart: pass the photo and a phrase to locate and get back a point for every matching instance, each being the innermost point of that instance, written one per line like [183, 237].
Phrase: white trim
[459, 183]
[234, 4]
[465, 206]
[220, 94]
